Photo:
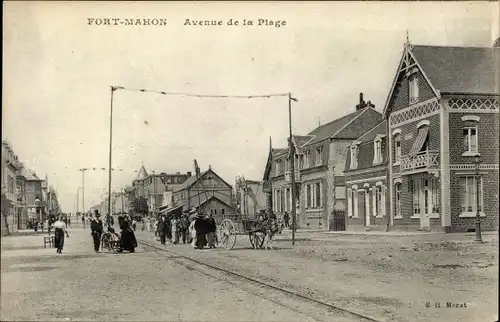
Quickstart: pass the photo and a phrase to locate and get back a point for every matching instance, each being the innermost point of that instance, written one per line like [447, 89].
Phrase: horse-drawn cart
[255, 228]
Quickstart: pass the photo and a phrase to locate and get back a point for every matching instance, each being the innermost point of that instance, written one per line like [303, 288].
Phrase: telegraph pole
[154, 193]
[292, 166]
[83, 193]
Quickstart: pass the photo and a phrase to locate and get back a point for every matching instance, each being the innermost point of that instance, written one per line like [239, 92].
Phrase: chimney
[362, 103]
[189, 174]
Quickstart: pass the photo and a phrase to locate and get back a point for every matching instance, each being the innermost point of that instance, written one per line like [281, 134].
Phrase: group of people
[191, 227]
[128, 241]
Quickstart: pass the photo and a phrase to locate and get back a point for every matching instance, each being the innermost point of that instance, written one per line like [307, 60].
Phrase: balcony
[421, 160]
[288, 177]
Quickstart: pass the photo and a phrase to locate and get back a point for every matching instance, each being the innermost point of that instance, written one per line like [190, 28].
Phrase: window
[307, 158]
[413, 89]
[318, 195]
[301, 161]
[355, 202]
[278, 166]
[416, 198]
[349, 202]
[287, 203]
[377, 151]
[379, 201]
[468, 194]
[354, 157]
[11, 185]
[436, 199]
[287, 164]
[223, 211]
[309, 196]
[398, 199]
[215, 211]
[319, 156]
[426, 196]
[397, 144]
[470, 139]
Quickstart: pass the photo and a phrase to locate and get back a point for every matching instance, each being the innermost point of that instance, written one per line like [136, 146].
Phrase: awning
[420, 140]
[171, 210]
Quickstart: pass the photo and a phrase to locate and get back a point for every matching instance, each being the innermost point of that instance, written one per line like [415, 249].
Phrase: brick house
[320, 160]
[442, 111]
[366, 179]
[10, 168]
[208, 191]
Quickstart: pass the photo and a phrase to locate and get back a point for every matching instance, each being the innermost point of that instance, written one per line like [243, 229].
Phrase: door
[367, 207]
[427, 204]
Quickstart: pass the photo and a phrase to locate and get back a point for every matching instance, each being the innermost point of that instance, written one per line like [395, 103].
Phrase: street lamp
[478, 239]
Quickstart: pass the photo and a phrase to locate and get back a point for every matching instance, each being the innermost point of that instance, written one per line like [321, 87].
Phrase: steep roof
[345, 127]
[470, 70]
[379, 129]
[29, 175]
[142, 173]
[191, 180]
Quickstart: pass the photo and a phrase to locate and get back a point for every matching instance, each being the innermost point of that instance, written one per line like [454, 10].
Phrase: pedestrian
[175, 231]
[286, 219]
[162, 227]
[201, 230]
[134, 223]
[184, 226]
[69, 222]
[148, 224]
[96, 228]
[128, 241]
[59, 232]
[192, 230]
[168, 229]
[211, 229]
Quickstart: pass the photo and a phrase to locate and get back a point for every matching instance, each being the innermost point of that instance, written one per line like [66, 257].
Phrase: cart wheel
[227, 234]
[256, 239]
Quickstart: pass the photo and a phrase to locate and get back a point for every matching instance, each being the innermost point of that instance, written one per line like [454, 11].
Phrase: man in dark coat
[162, 229]
[96, 228]
[200, 226]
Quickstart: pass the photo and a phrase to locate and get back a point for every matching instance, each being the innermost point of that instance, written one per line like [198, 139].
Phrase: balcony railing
[288, 176]
[422, 159]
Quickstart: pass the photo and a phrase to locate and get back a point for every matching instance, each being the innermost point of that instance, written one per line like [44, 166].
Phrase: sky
[58, 71]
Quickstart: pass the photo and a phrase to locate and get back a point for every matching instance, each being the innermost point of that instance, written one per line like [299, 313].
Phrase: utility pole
[110, 148]
[83, 192]
[122, 199]
[292, 166]
[154, 194]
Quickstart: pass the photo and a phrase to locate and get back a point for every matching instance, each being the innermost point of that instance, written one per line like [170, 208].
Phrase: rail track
[314, 309]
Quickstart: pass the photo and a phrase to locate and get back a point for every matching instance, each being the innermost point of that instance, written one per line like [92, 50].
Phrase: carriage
[110, 240]
[255, 228]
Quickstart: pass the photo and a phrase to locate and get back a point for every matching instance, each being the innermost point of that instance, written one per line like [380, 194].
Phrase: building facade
[441, 116]
[319, 163]
[250, 197]
[10, 169]
[208, 191]
[366, 180]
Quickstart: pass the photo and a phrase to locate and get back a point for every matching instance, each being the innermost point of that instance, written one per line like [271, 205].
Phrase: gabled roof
[300, 140]
[29, 175]
[468, 70]
[379, 129]
[193, 179]
[215, 197]
[458, 70]
[340, 128]
[142, 173]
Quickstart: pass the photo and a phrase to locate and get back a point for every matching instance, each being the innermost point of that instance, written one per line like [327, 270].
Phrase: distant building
[319, 169]
[209, 191]
[250, 197]
[10, 169]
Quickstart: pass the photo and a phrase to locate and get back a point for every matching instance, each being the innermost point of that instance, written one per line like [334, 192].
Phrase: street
[377, 280]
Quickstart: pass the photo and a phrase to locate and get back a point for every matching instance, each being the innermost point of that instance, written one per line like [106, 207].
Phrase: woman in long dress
[59, 232]
[192, 232]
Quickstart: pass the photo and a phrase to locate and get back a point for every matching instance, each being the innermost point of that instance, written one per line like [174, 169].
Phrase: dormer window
[354, 156]
[319, 156]
[377, 150]
[413, 90]
[278, 166]
[307, 157]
